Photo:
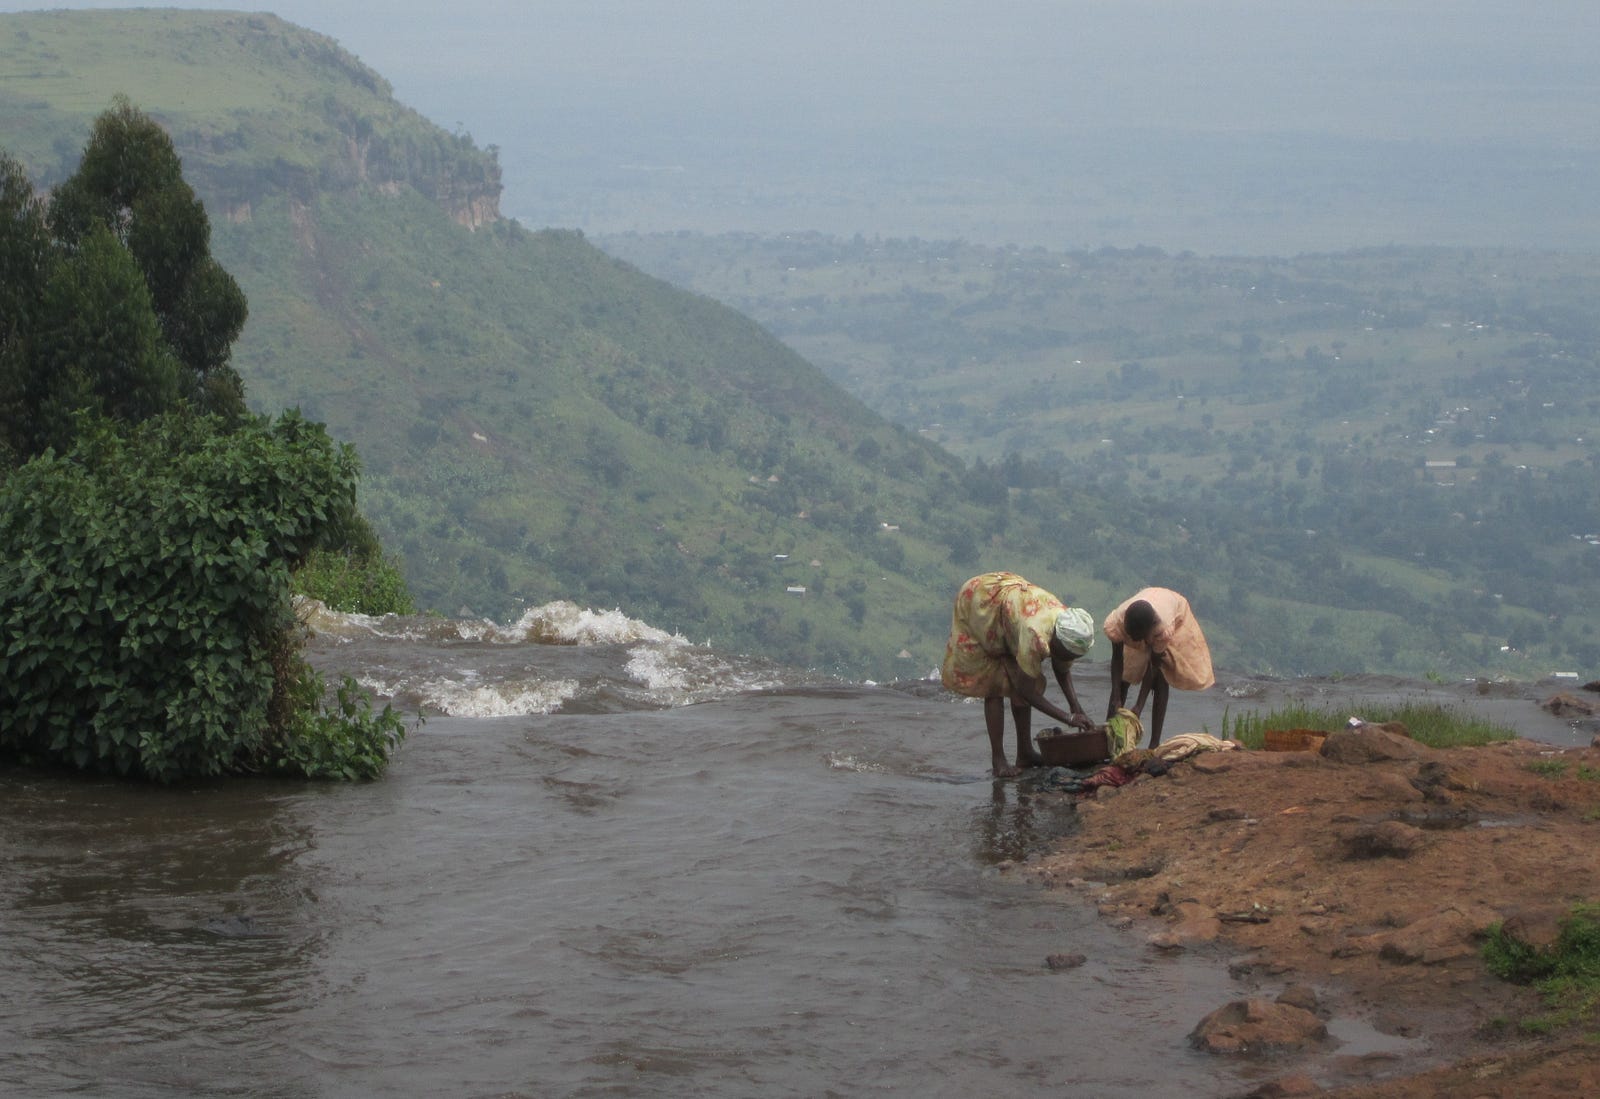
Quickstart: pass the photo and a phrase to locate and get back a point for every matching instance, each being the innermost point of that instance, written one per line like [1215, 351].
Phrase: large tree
[24, 249]
[25, 254]
[131, 182]
[78, 335]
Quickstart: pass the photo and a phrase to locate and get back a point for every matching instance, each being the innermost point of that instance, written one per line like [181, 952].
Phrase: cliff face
[473, 207]
[465, 181]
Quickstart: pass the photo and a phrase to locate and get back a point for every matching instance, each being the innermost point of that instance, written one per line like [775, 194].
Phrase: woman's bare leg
[1022, 719]
[994, 721]
[1158, 709]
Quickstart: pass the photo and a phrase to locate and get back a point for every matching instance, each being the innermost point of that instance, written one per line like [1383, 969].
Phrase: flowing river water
[611, 863]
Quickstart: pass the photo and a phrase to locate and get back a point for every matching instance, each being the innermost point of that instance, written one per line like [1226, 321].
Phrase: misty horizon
[1231, 127]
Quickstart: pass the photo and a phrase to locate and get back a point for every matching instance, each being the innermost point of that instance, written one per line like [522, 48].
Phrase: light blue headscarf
[1075, 630]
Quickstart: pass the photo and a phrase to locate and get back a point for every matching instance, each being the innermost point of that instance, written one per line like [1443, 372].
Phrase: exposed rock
[1256, 965]
[1257, 1027]
[1565, 705]
[1317, 925]
[1217, 763]
[1191, 922]
[1389, 786]
[1452, 933]
[1301, 996]
[1285, 1087]
[1436, 775]
[1308, 758]
[1370, 744]
[1058, 962]
[1439, 820]
[1196, 922]
[1538, 927]
[1127, 871]
[1388, 839]
[1367, 932]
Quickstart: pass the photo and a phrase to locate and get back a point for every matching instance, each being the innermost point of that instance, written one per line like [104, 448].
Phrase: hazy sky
[610, 78]
[1403, 68]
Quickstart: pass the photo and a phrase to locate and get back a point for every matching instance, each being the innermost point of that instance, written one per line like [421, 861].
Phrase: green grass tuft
[1428, 723]
[1566, 974]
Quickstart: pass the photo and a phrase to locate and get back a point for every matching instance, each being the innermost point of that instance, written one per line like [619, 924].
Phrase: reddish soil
[1370, 883]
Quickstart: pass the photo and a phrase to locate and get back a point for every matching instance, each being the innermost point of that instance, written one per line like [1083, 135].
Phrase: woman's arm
[1063, 670]
[1030, 691]
[1152, 668]
[1116, 680]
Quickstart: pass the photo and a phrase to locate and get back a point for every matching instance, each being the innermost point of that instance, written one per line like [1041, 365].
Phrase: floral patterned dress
[996, 615]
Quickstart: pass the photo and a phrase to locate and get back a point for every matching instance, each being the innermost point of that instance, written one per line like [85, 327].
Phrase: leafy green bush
[145, 619]
[348, 742]
[349, 570]
[144, 590]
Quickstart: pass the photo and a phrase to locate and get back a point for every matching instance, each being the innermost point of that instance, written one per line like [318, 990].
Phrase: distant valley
[1390, 428]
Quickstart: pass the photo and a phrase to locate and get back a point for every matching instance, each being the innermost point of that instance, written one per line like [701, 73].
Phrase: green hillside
[536, 420]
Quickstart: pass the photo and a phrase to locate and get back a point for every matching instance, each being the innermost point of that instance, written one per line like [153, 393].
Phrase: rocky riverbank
[1350, 889]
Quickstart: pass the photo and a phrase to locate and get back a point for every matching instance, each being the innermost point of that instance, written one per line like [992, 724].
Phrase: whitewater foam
[565, 623]
[560, 622]
[509, 699]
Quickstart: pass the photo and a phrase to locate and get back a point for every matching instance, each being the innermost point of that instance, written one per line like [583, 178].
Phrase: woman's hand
[1082, 721]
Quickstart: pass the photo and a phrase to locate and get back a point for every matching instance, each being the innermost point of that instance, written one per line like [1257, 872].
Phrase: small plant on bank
[1566, 973]
[354, 583]
[346, 741]
[349, 571]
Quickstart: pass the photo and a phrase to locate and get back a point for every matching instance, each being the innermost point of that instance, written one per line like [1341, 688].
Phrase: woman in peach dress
[1155, 641]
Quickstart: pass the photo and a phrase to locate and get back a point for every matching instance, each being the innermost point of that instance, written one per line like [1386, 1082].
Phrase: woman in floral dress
[1002, 630]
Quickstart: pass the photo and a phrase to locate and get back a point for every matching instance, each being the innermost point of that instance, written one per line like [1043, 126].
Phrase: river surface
[610, 863]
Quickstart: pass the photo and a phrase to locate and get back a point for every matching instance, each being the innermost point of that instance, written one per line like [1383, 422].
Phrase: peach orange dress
[1188, 661]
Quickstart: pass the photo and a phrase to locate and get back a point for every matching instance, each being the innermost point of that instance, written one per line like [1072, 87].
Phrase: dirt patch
[1371, 880]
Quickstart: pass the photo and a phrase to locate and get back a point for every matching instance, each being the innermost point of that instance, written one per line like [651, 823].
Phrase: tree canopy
[111, 300]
